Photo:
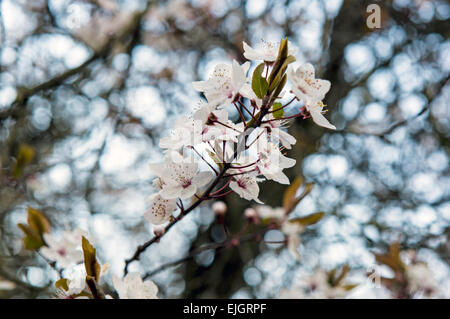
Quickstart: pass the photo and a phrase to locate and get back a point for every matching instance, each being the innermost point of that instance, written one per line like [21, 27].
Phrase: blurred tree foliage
[88, 87]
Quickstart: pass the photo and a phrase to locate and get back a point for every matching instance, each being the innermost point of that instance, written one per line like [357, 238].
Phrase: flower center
[242, 182]
[186, 183]
[62, 252]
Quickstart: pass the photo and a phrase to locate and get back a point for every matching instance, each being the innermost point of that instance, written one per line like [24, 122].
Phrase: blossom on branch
[133, 287]
[179, 176]
[160, 209]
[275, 128]
[187, 132]
[225, 84]
[217, 126]
[271, 161]
[311, 91]
[245, 185]
[65, 251]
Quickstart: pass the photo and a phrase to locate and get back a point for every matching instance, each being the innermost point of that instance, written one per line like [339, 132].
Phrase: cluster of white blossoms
[311, 91]
[210, 148]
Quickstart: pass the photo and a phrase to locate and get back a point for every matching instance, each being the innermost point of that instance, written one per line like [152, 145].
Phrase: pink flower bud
[219, 208]
[251, 215]
[158, 230]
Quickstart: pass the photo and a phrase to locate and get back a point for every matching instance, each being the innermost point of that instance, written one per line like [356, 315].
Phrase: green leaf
[259, 83]
[349, 287]
[276, 78]
[37, 225]
[282, 55]
[306, 191]
[90, 262]
[279, 88]
[24, 157]
[337, 280]
[291, 191]
[32, 240]
[62, 283]
[278, 110]
[37, 221]
[94, 288]
[290, 200]
[280, 66]
[286, 62]
[308, 220]
[386, 260]
[392, 258]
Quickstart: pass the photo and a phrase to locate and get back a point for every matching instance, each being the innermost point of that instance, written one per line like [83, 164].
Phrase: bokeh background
[89, 87]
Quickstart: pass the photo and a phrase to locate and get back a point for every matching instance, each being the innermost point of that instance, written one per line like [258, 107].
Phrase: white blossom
[275, 127]
[206, 124]
[75, 286]
[219, 208]
[186, 132]
[421, 280]
[158, 230]
[267, 212]
[6, 284]
[305, 86]
[216, 125]
[316, 112]
[76, 283]
[271, 161]
[65, 251]
[160, 209]
[267, 51]
[318, 286]
[311, 91]
[245, 185]
[133, 287]
[251, 214]
[179, 176]
[222, 154]
[225, 83]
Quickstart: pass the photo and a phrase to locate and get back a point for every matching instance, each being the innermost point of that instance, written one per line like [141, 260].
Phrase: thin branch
[245, 108]
[209, 164]
[240, 114]
[212, 246]
[222, 188]
[293, 99]
[52, 264]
